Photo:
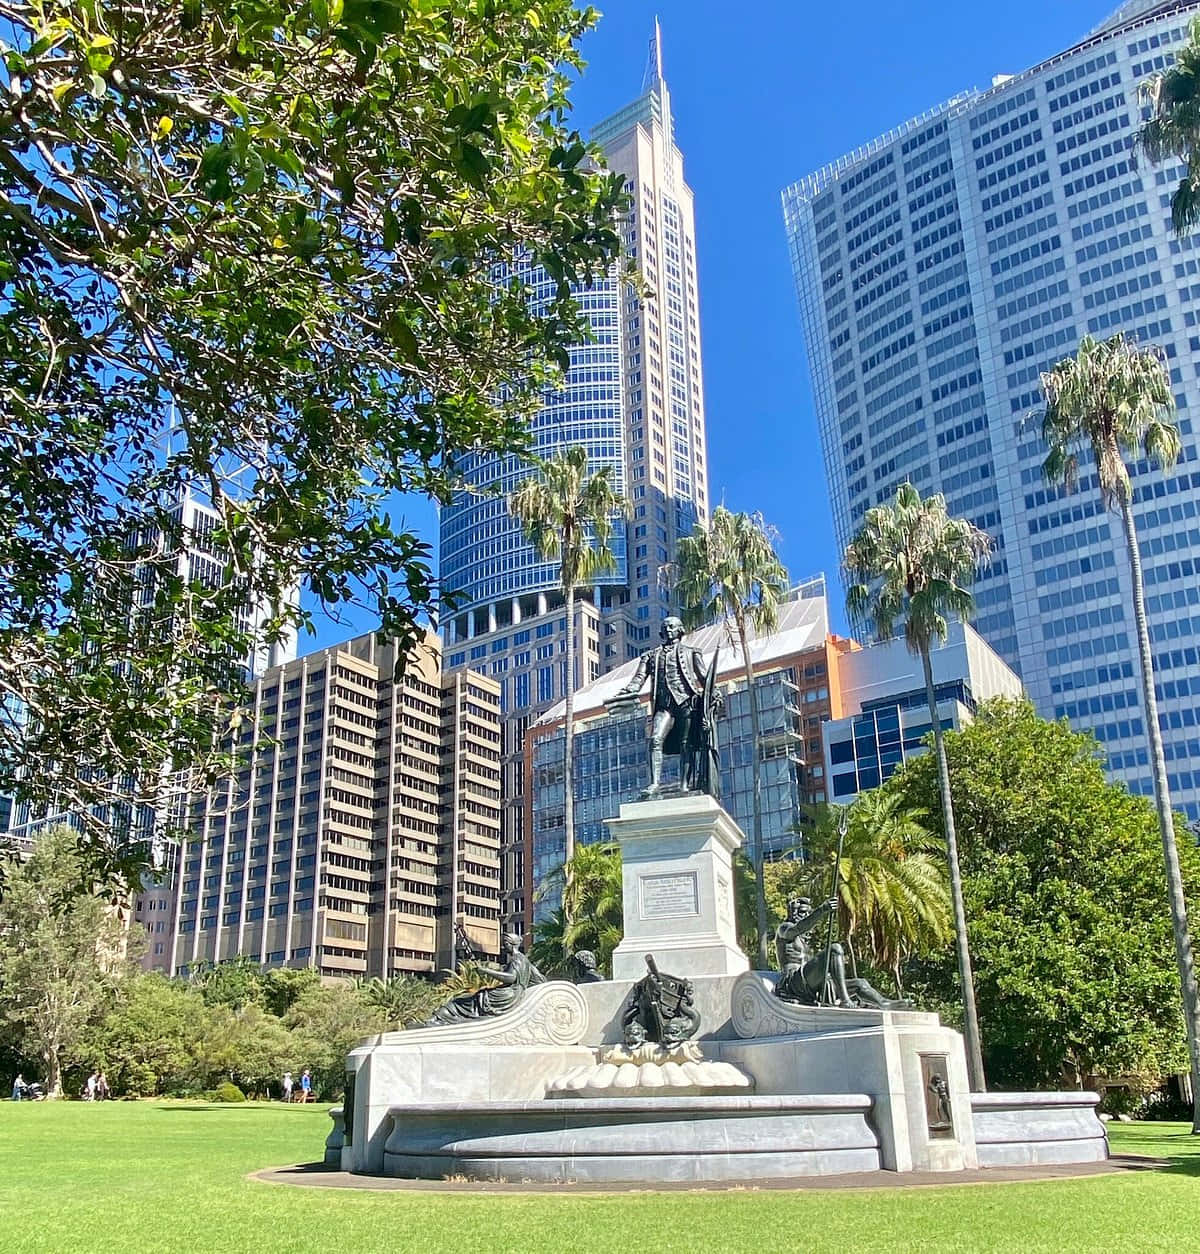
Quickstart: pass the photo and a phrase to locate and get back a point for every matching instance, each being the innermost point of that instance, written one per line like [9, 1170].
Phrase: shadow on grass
[1172, 1153]
[221, 1107]
[1182, 1152]
[305, 1169]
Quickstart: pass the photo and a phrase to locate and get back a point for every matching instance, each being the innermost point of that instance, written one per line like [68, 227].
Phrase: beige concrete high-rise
[362, 825]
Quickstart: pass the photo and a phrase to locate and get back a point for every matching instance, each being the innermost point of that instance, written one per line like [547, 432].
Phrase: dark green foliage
[326, 1023]
[1068, 921]
[235, 984]
[281, 986]
[274, 226]
[402, 999]
[150, 1041]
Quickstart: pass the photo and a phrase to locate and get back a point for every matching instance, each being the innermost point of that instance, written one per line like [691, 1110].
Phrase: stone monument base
[677, 882]
[507, 1058]
[628, 1140]
[834, 1090]
[1038, 1129]
[892, 1055]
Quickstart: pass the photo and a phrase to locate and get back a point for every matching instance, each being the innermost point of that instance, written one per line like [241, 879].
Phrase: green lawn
[142, 1177]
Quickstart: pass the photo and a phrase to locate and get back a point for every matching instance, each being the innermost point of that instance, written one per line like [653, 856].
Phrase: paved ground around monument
[151, 1177]
[316, 1175]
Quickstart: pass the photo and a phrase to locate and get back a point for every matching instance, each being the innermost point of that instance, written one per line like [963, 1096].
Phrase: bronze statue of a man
[819, 978]
[684, 707]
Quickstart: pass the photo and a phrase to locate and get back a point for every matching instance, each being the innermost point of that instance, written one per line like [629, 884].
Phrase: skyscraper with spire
[633, 398]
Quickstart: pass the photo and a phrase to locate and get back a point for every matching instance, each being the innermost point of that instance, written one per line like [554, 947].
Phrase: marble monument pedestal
[677, 878]
[821, 1090]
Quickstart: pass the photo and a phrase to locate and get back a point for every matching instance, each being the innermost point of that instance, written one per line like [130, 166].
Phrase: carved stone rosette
[755, 1011]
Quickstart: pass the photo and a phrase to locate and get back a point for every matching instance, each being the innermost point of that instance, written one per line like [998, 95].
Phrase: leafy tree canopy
[893, 898]
[272, 254]
[1068, 921]
[63, 954]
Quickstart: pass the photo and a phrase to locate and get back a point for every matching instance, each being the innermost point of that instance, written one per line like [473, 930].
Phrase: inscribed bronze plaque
[348, 1109]
[935, 1078]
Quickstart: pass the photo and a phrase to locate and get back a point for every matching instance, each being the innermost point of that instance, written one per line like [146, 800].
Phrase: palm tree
[1111, 399]
[911, 560]
[568, 514]
[729, 570]
[1173, 128]
[592, 915]
[402, 998]
[894, 900]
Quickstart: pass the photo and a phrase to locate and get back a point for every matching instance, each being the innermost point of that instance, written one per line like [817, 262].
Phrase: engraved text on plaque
[669, 896]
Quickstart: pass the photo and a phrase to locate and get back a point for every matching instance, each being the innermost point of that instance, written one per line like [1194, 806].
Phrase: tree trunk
[1184, 956]
[53, 1071]
[569, 737]
[965, 977]
[760, 888]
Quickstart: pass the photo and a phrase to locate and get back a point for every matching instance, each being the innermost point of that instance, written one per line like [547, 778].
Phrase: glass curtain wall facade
[611, 769]
[939, 269]
[484, 556]
[870, 747]
[633, 397]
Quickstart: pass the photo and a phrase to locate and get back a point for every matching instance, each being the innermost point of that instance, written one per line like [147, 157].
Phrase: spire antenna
[654, 61]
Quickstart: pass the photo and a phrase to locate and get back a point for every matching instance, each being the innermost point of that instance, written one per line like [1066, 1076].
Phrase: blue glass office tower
[939, 269]
[633, 397]
[484, 556]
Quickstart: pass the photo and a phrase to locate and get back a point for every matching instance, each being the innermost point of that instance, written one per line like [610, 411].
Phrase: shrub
[140, 1080]
[228, 1092]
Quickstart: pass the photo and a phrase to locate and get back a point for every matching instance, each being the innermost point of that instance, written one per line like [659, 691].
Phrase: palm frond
[729, 569]
[911, 562]
[1111, 400]
[569, 516]
[1172, 131]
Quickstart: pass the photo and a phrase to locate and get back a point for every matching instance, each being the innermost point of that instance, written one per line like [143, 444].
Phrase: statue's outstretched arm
[810, 921]
[503, 975]
[634, 685]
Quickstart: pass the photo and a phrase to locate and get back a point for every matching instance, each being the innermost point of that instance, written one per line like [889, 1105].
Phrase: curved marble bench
[634, 1140]
[1020, 1129]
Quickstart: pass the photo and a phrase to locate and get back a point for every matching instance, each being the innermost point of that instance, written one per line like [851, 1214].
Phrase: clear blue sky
[763, 94]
